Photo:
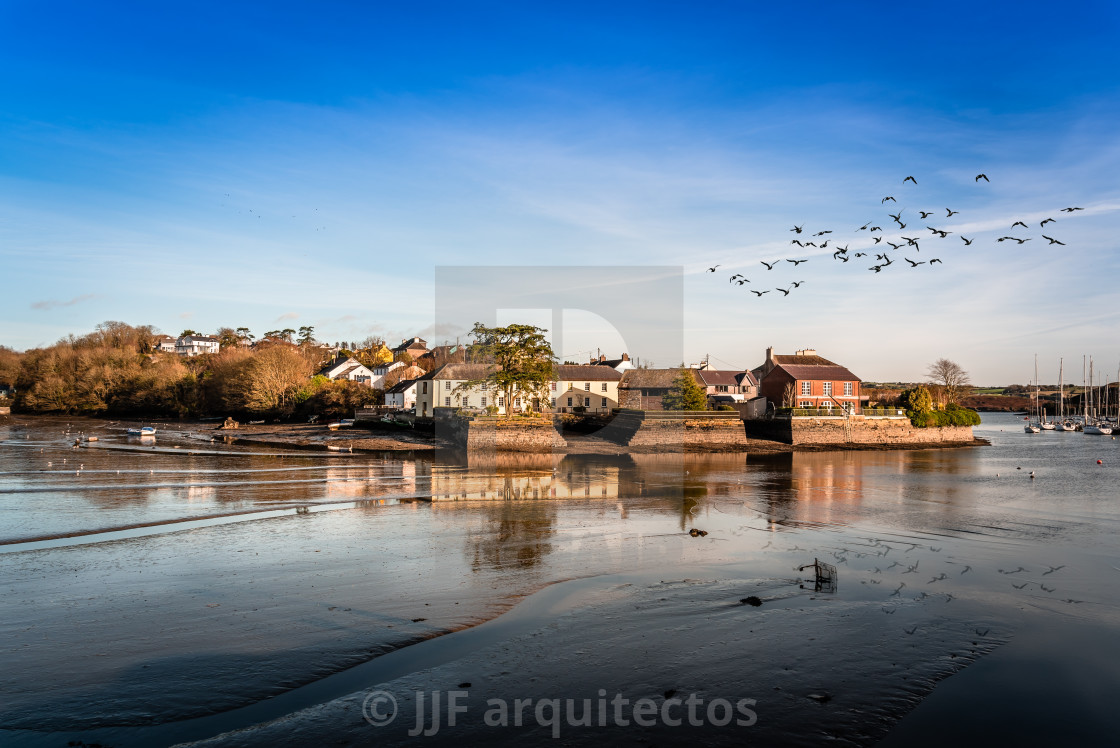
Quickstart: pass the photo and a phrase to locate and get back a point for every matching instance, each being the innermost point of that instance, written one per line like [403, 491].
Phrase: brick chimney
[625, 356]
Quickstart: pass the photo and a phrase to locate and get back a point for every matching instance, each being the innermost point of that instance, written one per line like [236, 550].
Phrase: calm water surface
[150, 584]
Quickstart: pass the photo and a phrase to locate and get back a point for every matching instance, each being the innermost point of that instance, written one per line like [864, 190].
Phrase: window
[828, 388]
[604, 387]
[587, 402]
[587, 386]
[805, 404]
[484, 399]
[447, 384]
[425, 388]
[554, 402]
[721, 388]
[501, 402]
[827, 404]
[554, 386]
[517, 402]
[806, 388]
[569, 402]
[483, 387]
[467, 402]
[604, 402]
[447, 402]
[848, 388]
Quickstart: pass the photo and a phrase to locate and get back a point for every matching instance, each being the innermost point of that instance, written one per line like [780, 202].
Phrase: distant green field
[988, 391]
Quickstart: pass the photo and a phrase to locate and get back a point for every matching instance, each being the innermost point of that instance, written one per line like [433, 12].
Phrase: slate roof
[568, 372]
[461, 371]
[651, 378]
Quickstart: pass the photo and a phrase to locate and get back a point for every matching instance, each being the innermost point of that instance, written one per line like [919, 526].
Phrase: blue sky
[283, 164]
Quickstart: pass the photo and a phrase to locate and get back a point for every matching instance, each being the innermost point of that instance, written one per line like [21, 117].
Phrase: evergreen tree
[685, 394]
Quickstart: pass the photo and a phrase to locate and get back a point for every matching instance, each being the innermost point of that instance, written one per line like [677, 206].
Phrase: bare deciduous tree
[951, 377]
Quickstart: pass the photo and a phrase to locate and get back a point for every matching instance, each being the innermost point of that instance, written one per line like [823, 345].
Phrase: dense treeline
[115, 371]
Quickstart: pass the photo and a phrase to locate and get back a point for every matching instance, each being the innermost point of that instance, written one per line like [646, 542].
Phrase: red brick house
[816, 382]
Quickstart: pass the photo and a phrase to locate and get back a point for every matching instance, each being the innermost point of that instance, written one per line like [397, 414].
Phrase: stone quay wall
[816, 431]
[676, 430]
[498, 434]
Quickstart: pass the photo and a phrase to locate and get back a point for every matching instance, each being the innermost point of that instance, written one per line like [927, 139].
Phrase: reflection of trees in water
[511, 534]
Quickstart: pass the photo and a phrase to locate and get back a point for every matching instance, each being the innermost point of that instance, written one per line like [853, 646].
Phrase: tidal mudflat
[250, 596]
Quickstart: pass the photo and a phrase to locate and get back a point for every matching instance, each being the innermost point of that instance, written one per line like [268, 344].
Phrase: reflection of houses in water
[527, 477]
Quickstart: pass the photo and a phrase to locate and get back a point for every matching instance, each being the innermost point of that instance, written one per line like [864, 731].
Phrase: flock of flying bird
[883, 259]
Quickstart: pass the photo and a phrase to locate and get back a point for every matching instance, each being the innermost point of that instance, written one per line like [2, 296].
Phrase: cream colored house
[592, 389]
[445, 388]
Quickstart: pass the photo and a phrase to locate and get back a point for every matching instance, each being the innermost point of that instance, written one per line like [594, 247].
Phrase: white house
[618, 364]
[592, 389]
[445, 388]
[402, 395]
[196, 345]
[165, 344]
[347, 368]
[381, 371]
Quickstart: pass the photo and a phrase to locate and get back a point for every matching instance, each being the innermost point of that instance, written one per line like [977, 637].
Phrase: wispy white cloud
[49, 304]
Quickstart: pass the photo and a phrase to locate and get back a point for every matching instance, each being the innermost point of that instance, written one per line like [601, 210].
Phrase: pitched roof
[461, 371]
[413, 342]
[750, 378]
[826, 371]
[568, 372]
[651, 378]
[719, 376]
[401, 386]
[813, 360]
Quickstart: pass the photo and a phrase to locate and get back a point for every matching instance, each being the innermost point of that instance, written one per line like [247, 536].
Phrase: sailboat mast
[1061, 390]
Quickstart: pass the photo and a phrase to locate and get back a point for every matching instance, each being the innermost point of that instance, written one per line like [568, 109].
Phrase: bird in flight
[822, 233]
[824, 244]
[797, 242]
[984, 177]
[911, 242]
[797, 284]
[741, 281]
[878, 239]
[1005, 238]
[1021, 240]
[888, 197]
[797, 228]
[861, 254]
[712, 269]
[1048, 220]
[967, 242]
[876, 268]
[769, 265]
[939, 232]
[897, 218]
[912, 263]
[796, 262]
[759, 293]
[1070, 210]
[951, 213]
[1018, 223]
[864, 226]
[785, 291]
[925, 214]
[843, 257]
[909, 179]
[893, 245]
[1053, 240]
[935, 260]
[737, 275]
[875, 228]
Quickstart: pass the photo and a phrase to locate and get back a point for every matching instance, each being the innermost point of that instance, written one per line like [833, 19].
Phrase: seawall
[856, 430]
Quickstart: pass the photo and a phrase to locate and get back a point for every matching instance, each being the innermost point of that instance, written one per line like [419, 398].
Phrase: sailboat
[1032, 426]
[1095, 426]
[1063, 423]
